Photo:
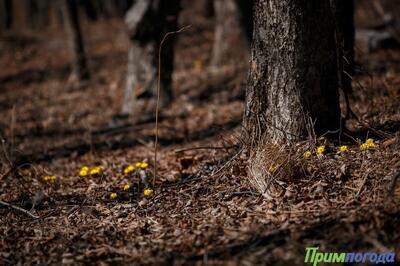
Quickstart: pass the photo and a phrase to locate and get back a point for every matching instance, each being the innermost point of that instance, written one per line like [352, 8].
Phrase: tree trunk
[6, 14]
[294, 71]
[71, 20]
[346, 26]
[148, 21]
[229, 32]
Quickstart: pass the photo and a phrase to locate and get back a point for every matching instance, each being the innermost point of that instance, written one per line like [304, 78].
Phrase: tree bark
[294, 71]
[71, 20]
[148, 21]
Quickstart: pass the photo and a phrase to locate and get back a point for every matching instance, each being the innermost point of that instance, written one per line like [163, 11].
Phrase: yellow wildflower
[370, 143]
[97, 170]
[147, 192]
[364, 147]
[129, 169]
[144, 165]
[127, 186]
[272, 168]
[320, 149]
[343, 148]
[49, 178]
[113, 195]
[307, 154]
[84, 171]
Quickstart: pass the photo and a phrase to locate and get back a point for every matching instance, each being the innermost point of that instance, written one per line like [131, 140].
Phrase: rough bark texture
[229, 31]
[148, 21]
[294, 70]
[71, 19]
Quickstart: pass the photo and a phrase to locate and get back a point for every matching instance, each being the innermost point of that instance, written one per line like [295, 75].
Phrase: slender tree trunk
[294, 70]
[148, 21]
[345, 37]
[6, 14]
[229, 32]
[208, 9]
[71, 20]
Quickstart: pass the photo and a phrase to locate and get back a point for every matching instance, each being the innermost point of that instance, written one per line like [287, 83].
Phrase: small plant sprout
[129, 169]
[49, 178]
[343, 149]
[307, 154]
[320, 150]
[97, 170]
[113, 195]
[126, 187]
[84, 171]
[147, 192]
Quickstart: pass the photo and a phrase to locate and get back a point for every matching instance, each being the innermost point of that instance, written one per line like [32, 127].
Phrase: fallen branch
[19, 209]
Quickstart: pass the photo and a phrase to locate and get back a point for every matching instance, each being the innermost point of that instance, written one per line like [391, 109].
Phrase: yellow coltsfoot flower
[370, 143]
[113, 195]
[343, 148]
[144, 165]
[126, 186]
[97, 170]
[320, 149]
[364, 147]
[307, 154]
[84, 171]
[129, 169]
[49, 178]
[272, 168]
[147, 192]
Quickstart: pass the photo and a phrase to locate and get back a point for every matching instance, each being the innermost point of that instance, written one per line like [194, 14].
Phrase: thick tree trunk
[71, 20]
[148, 21]
[229, 32]
[294, 70]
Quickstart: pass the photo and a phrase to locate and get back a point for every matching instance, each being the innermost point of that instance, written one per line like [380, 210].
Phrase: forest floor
[203, 209]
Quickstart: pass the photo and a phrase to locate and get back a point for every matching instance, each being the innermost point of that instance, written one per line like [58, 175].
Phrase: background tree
[148, 21]
[294, 70]
[5, 14]
[345, 39]
[71, 20]
[233, 22]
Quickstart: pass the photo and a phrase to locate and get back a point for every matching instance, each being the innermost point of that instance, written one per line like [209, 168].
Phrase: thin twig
[158, 96]
[19, 209]
[227, 163]
[204, 148]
